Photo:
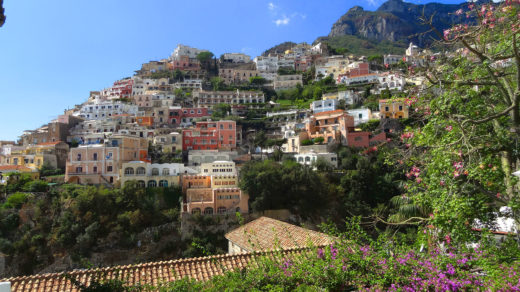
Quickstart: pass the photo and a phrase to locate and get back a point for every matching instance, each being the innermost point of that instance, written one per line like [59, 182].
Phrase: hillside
[396, 21]
[2, 16]
[279, 48]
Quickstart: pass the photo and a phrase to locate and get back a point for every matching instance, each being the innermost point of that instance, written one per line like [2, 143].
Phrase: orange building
[331, 125]
[145, 121]
[219, 194]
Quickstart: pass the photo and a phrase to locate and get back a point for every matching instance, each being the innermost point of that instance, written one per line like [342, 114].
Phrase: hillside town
[311, 167]
[175, 107]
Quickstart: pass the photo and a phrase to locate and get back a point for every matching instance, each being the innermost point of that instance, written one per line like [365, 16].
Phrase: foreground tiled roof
[153, 273]
[266, 234]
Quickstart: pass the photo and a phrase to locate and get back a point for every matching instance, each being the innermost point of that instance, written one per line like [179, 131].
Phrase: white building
[366, 78]
[182, 50]
[311, 158]
[412, 50]
[208, 99]
[266, 64]
[324, 105]
[361, 115]
[392, 59]
[236, 58]
[197, 157]
[391, 82]
[218, 168]
[104, 109]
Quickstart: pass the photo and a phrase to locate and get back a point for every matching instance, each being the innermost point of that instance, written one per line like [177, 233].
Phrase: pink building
[100, 163]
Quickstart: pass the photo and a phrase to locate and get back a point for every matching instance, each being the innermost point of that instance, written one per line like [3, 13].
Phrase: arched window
[208, 211]
[195, 211]
[307, 159]
[221, 210]
[129, 171]
[166, 171]
[155, 171]
[152, 184]
[94, 157]
[300, 159]
[163, 183]
[141, 170]
[141, 183]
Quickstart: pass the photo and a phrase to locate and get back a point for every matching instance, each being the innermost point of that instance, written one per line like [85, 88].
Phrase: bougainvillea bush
[357, 263]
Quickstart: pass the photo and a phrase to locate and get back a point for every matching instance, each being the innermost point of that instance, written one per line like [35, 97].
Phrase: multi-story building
[324, 105]
[282, 82]
[390, 82]
[236, 76]
[198, 157]
[185, 63]
[359, 79]
[101, 110]
[212, 98]
[169, 142]
[218, 168]
[331, 125]
[153, 174]
[153, 66]
[185, 117]
[100, 161]
[217, 193]
[120, 89]
[266, 64]
[53, 154]
[182, 50]
[392, 59]
[393, 108]
[210, 135]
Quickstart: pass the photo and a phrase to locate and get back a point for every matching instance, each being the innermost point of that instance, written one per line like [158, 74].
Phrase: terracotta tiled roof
[153, 273]
[14, 168]
[266, 234]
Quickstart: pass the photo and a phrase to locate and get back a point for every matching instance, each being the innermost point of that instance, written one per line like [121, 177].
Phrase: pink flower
[442, 183]
[499, 195]
[456, 174]
[458, 12]
[449, 128]
[418, 180]
[471, 6]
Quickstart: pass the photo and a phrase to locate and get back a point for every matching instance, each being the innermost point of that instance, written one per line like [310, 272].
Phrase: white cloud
[282, 21]
[372, 2]
[271, 6]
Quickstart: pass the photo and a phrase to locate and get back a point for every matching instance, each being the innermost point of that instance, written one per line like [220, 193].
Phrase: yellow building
[393, 108]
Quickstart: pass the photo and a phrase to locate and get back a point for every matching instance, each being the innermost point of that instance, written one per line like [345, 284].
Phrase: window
[221, 126]
[152, 184]
[109, 168]
[221, 210]
[195, 211]
[358, 138]
[166, 171]
[400, 107]
[79, 157]
[95, 169]
[129, 171]
[230, 126]
[155, 171]
[208, 211]
[386, 108]
[141, 183]
[79, 169]
[94, 157]
[141, 170]
[163, 183]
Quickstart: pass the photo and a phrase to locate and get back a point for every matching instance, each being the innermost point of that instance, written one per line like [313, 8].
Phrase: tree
[257, 81]
[463, 151]
[217, 83]
[288, 185]
[260, 141]
[205, 60]
[221, 110]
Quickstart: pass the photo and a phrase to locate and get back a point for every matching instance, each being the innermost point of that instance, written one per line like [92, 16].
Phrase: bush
[16, 200]
[307, 142]
[319, 140]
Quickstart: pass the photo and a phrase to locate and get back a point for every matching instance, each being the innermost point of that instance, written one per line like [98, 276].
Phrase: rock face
[278, 49]
[396, 21]
[2, 16]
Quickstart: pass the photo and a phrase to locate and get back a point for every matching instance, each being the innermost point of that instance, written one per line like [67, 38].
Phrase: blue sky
[52, 53]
